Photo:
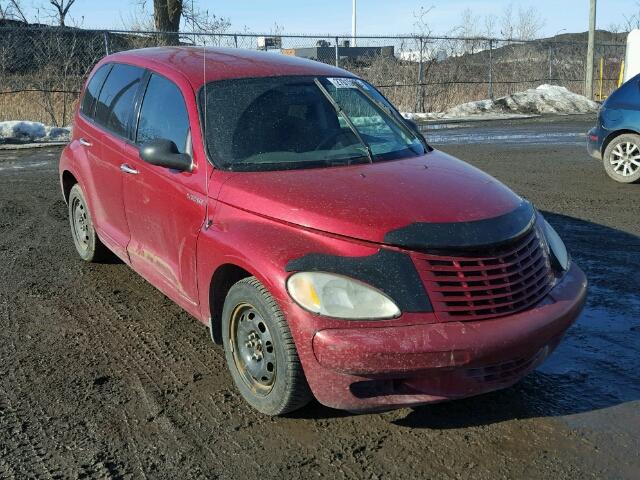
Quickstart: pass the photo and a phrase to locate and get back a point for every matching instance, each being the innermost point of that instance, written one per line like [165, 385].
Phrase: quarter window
[115, 102]
[92, 90]
[163, 114]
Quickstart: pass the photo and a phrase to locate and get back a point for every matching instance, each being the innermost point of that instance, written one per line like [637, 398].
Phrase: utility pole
[353, 26]
[588, 87]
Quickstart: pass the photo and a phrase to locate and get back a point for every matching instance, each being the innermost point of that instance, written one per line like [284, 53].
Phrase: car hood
[374, 202]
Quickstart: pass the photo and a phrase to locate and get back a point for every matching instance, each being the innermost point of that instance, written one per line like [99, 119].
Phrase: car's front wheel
[260, 350]
[622, 158]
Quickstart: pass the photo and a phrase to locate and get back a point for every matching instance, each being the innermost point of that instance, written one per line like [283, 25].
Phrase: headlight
[340, 297]
[559, 252]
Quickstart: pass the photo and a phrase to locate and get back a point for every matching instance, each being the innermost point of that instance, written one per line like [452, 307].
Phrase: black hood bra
[472, 235]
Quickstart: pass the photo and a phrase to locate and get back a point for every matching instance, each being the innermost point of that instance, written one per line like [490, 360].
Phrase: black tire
[621, 158]
[254, 330]
[85, 239]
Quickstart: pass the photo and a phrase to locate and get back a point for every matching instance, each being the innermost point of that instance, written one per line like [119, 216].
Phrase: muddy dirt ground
[101, 376]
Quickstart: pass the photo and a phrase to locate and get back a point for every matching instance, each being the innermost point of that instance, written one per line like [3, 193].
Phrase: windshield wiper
[344, 115]
[279, 165]
[346, 161]
[391, 115]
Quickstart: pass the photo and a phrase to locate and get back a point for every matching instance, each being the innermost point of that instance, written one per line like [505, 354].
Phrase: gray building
[325, 52]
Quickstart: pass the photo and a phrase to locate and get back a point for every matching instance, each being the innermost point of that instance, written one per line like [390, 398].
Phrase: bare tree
[61, 9]
[12, 10]
[468, 26]
[530, 22]
[428, 54]
[469, 31]
[421, 25]
[202, 21]
[507, 27]
[525, 24]
[632, 21]
[167, 15]
[490, 23]
[139, 19]
[276, 29]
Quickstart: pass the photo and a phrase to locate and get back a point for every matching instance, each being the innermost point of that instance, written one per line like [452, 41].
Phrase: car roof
[206, 64]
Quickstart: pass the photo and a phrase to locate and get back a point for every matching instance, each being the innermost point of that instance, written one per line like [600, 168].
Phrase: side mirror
[164, 153]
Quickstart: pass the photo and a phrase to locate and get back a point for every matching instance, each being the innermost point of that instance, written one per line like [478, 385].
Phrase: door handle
[84, 142]
[127, 169]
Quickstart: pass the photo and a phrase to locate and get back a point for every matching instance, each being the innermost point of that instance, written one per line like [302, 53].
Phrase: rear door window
[163, 113]
[115, 102]
[93, 89]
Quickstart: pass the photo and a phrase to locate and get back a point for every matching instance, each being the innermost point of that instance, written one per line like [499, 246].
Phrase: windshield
[278, 123]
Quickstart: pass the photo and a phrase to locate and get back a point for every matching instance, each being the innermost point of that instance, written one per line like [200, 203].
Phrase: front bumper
[395, 366]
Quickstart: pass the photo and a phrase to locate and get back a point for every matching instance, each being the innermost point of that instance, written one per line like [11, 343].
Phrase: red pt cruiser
[287, 205]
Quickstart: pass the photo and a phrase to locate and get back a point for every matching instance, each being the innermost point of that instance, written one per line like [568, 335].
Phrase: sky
[381, 17]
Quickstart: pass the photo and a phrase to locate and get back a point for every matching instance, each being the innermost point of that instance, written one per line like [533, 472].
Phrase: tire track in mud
[142, 349]
[101, 376]
[116, 368]
[188, 346]
[129, 345]
[11, 235]
[126, 338]
[38, 436]
[156, 369]
[24, 446]
[26, 292]
[148, 346]
[22, 450]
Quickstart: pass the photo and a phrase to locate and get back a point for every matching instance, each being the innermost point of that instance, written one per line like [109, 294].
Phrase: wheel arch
[223, 278]
[613, 135]
[68, 180]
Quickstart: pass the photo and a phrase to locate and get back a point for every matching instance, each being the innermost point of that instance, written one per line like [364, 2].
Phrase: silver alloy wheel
[80, 222]
[253, 349]
[625, 159]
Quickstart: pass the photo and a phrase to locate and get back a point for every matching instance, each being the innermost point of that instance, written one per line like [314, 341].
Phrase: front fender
[262, 247]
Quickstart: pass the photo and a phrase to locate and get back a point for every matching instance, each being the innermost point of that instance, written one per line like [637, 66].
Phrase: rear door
[87, 143]
[112, 120]
[165, 208]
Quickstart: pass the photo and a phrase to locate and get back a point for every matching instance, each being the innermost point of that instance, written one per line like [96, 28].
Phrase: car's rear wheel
[260, 351]
[622, 158]
[85, 239]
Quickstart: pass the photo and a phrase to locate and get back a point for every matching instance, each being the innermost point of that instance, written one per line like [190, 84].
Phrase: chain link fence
[42, 69]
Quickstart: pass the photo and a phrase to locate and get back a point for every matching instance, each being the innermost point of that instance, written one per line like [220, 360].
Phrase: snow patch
[536, 101]
[22, 131]
[546, 99]
[434, 116]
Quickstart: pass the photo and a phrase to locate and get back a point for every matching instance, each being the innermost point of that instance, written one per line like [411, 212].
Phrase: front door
[165, 208]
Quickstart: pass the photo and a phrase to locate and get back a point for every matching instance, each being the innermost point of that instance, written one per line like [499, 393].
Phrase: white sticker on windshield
[344, 82]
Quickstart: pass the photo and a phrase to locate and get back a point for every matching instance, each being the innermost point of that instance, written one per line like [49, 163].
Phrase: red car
[287, 205]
